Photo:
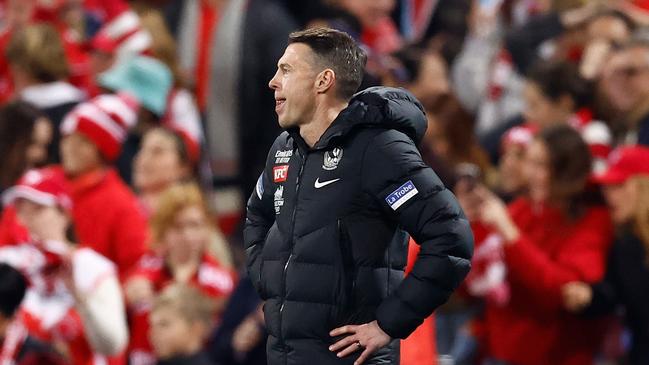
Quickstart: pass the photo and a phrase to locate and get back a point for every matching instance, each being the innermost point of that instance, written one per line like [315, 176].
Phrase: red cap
[521, 135]
[45, 186]
[624, 163]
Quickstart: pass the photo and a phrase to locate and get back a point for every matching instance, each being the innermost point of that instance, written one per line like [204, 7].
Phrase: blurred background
[155, 117]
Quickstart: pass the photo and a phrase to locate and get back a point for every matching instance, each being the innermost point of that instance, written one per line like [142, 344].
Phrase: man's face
[626, 78]
[294, 85]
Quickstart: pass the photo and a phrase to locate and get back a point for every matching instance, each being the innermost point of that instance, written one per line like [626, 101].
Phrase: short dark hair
[336, 50]
[558, 78]
[13, 286]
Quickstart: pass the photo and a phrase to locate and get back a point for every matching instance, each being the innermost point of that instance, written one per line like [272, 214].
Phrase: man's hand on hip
[369, 337]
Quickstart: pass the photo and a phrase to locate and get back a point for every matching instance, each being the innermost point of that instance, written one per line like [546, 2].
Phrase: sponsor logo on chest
[332, 159]
[283, 156]
[280, 173]
[278, 199]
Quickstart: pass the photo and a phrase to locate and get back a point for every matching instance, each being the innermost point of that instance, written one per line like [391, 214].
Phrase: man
[326, 228]
[625, 83]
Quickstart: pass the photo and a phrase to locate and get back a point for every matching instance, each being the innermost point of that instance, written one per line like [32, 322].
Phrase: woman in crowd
[181, 232]
[511, 167]
[554, 94]
[626, 188]
[162, 161]
[25, 135]
[447, 141]
[75, 300]
[551, 236]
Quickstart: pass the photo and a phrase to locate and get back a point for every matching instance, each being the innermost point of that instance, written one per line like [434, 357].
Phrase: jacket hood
[379, 107]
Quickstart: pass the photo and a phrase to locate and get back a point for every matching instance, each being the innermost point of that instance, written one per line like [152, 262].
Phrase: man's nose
[273, 84]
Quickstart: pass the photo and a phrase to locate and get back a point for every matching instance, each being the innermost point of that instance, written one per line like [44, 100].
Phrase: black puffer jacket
[326, 231]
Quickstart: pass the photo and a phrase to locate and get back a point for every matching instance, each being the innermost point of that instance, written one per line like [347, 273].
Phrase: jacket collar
[376, 107]
[88, 181]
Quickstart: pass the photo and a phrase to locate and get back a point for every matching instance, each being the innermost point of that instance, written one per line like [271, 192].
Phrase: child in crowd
[182, 234]
[180, 321]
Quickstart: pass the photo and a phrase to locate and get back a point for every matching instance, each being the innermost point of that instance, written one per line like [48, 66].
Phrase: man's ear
[325, 80]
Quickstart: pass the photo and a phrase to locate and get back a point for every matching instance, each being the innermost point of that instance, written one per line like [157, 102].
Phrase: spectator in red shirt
[181, 232]
[550, 237]
[106, 213]
[626, 187]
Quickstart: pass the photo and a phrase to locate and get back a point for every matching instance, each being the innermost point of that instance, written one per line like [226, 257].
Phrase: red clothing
[419, 347]
[532, 328]
[214, 280]
[6, 82]
[19, 348]
[208, 22]
[11, 231]
[211, 278]
[108, 218]
[383, 38]
[48, 310]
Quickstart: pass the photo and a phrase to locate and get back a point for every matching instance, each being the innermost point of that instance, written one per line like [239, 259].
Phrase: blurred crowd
[132, 133]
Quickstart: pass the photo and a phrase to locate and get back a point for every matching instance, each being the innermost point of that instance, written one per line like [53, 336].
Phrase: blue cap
[145, 78]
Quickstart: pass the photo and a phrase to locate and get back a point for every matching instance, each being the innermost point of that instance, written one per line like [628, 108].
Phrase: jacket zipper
[288, 261]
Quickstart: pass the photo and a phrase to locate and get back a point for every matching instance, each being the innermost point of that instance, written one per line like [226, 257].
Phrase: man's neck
[322, 118]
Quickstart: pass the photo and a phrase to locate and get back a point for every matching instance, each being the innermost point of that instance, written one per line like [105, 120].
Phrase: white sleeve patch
[400, 196]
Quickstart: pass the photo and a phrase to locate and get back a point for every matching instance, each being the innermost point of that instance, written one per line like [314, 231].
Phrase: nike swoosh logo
[319, 184]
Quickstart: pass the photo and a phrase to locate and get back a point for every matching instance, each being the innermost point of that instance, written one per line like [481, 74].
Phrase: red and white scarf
[13, 341]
